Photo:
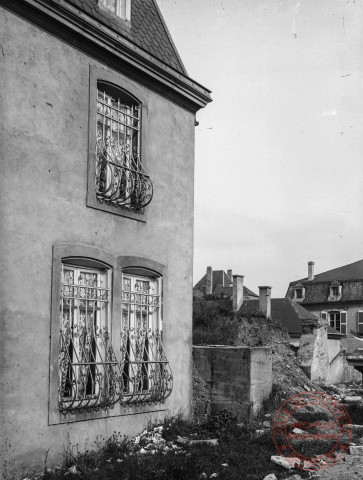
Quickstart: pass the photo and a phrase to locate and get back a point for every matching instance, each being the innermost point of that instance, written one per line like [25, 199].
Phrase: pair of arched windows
[106, 332]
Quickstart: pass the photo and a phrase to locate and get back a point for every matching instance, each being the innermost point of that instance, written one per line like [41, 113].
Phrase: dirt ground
[349, 468]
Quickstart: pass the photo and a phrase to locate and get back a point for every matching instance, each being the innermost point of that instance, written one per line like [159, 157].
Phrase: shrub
[213, 324]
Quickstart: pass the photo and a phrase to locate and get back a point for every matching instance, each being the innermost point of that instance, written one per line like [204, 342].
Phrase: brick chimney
[237, 291]
[209, 283]
[264, 301]
[311, 271]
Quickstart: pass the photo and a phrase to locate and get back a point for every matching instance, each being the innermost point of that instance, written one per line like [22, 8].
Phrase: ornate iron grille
[92, 374]
[89, 370]
[120, 177]
[146, 372]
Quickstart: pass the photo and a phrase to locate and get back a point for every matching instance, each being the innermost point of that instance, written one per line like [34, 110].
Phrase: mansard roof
[141, 48]
[147, 29]
[353, 271]
[318, 290]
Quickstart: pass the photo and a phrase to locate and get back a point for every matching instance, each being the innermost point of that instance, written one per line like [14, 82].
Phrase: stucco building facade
[97, 148]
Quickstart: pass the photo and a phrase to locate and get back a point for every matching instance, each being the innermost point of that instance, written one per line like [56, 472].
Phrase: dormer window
[299, 293]
[335, 292]
[121, 8]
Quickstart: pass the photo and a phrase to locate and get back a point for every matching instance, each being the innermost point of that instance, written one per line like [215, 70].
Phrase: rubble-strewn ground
[215, 325]
[236, 450]
[174, 451]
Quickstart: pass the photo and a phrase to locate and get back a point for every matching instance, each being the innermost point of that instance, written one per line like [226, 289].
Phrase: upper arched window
[121, 180]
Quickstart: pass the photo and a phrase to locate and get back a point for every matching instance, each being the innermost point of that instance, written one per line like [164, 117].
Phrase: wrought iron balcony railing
[120, 177]
[99, 380]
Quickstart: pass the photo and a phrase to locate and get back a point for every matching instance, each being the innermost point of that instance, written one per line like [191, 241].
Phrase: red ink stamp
[312, 431]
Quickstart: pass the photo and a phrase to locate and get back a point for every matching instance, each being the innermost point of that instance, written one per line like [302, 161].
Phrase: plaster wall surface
[240, 378]
[44, 106]
[260, 377]
[336, 361]
[313, 355]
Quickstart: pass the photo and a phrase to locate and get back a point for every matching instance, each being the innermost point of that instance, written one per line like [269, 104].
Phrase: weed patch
[168, 452]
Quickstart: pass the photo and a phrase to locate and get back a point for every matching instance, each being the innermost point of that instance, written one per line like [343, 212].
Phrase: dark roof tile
[350, 277]
[353, 271]
[148, 29]
[286, 312]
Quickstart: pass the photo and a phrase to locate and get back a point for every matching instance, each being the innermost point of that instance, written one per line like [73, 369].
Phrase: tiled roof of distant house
[286, 312]
[353, 271]
[221, 282]
[229, 291]
[220, 278]
[350, 277]
[147, 29]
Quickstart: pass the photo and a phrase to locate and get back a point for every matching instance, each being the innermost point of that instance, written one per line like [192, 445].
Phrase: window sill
[56, 417]
[122, 212]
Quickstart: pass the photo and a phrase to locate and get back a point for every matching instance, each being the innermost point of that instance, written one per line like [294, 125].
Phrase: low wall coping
[231, 347]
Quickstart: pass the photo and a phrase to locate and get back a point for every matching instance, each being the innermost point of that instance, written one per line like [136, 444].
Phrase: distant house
[336, 297]
[290, 315]
[219, 285]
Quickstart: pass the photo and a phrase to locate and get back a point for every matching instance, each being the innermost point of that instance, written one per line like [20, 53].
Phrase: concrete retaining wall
[239, 378]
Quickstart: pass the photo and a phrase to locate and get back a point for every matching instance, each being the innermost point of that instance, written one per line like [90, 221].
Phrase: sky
[279, 151]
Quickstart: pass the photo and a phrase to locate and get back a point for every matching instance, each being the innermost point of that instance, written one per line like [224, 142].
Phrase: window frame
[301, 289]
[360, 322]
[335, 297]
[120, 6]
[123, 84]
[87, 332]
[343, 317]
[116, 264]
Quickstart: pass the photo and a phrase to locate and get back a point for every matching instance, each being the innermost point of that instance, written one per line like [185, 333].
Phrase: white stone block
[283, 462]
[356, 449]
[270, 476]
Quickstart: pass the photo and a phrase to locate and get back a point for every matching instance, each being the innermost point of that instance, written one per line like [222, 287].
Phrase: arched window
[146, 373]
[88, 364]
[121, 180]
